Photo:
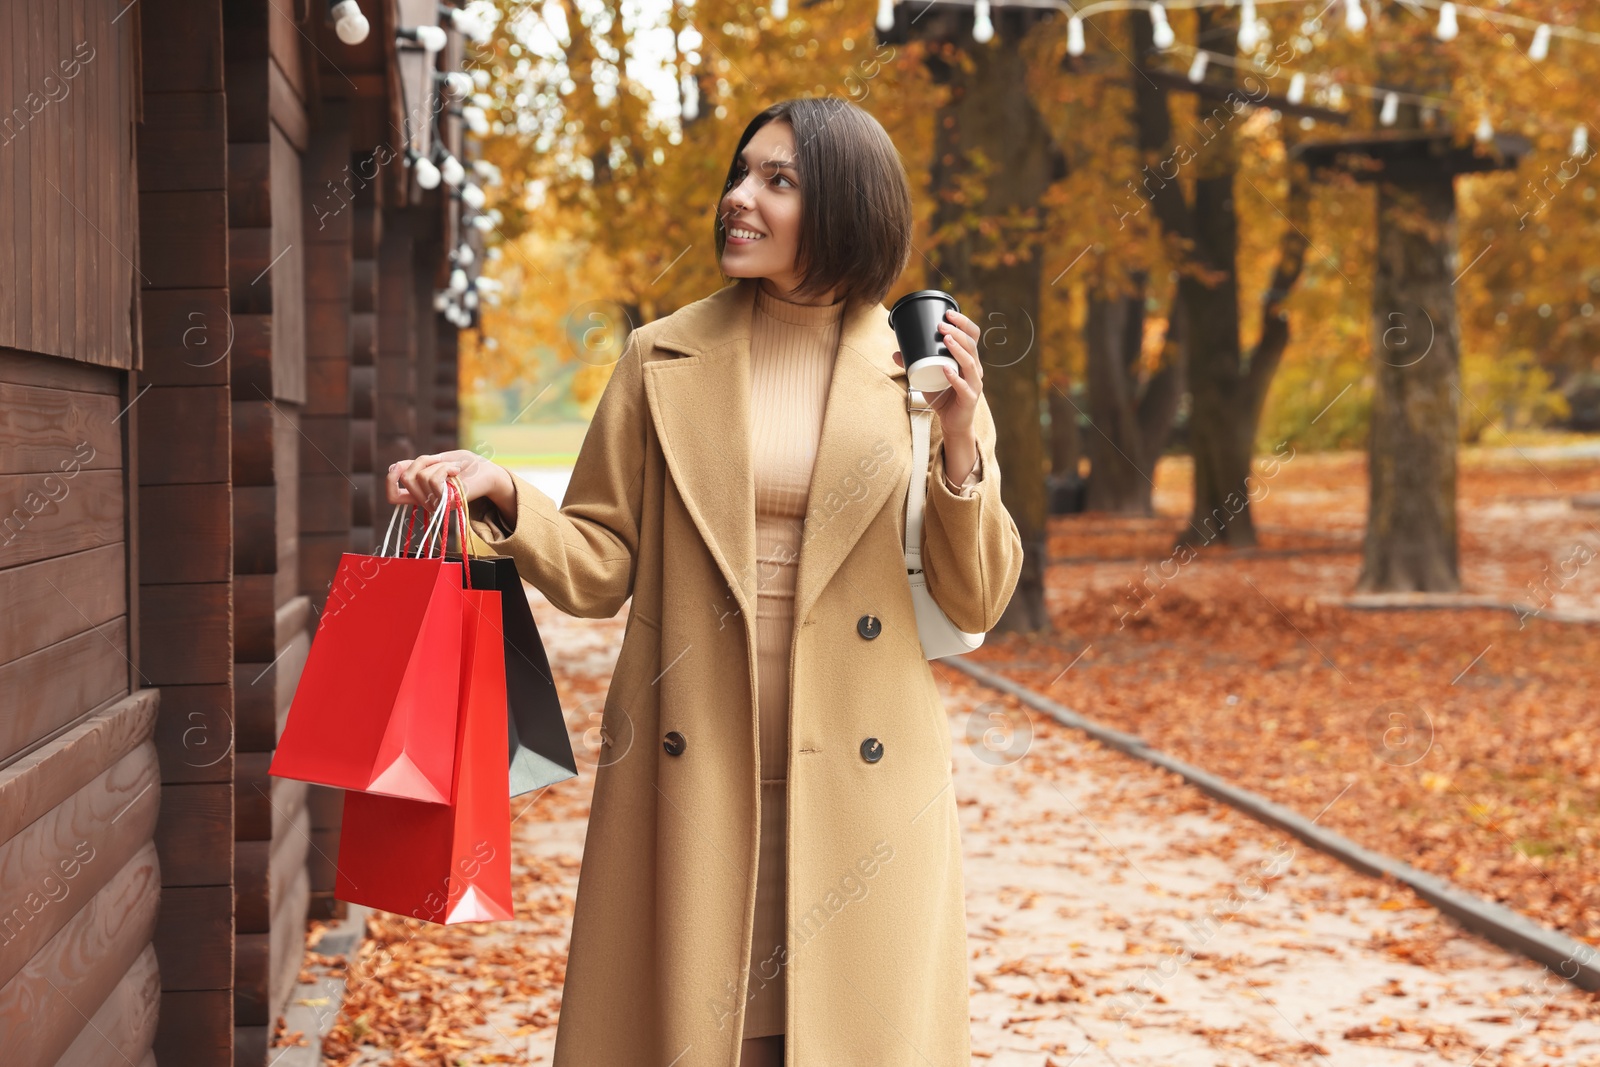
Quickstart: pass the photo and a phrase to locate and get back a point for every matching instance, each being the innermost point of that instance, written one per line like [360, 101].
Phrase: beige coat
[661, 506]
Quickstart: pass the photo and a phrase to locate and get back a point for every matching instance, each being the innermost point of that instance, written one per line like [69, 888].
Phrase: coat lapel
[700, 404]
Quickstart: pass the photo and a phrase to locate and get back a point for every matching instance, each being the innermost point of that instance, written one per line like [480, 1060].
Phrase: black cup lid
[923, 293]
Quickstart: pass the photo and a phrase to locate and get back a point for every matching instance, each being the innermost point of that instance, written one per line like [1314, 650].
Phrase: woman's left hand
[957, 406]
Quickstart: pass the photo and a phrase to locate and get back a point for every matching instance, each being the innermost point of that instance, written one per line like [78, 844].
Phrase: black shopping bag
[541, 751]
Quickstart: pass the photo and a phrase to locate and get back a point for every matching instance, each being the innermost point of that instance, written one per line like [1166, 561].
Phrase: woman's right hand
[421, 481]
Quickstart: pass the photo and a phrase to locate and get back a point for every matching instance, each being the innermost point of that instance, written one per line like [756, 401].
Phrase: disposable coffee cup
[915, 319]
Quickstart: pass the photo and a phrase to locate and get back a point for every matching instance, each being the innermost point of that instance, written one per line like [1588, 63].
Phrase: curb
[313, 1006]
[1573, 960]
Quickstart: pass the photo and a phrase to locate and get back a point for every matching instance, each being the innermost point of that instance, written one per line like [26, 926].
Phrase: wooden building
[218, 267]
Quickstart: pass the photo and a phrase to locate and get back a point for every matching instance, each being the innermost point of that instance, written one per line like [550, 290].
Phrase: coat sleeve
[971, 549]
[582, 555]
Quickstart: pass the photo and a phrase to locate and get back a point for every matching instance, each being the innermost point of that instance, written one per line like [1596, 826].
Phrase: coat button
[674, 743]
[869, 626]
[872, 750]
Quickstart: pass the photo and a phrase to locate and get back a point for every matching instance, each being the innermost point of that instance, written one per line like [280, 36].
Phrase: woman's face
[761, 213]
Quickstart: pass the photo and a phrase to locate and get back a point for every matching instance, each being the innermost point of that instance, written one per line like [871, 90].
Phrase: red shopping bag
[376, 705]
[446, 863]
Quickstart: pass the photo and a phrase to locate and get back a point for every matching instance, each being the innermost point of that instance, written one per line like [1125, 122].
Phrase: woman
[773, 869]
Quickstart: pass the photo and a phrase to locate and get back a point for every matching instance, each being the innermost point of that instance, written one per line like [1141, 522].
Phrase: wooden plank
[194, 936]
[288, 271]
[264, 694]
[186, 633]
[194, 835]
[183, 240]
[325, 503]
[53, 686]
[20, 246]
[265, 869]
[124, 1028]
[185, 531]
[287, 111]
[196, 1029]
[327, 321]
[56, 598]
[57, 864]
[249, 116]
[259, 637]
[42, 1008]
[188, 336]
[327, 386]
[201, 452]
[288, 940]
[252, 356]
[249, 185]
[194, 733]
[266, 808]
[250, 255]
[183, 143]
[324, 444]
[284, 48]
[262, 955]
[53, 515]
[37, 782]
[363, 435]
[366, 499]
[182, 47]
[255, 426]
[27, 368]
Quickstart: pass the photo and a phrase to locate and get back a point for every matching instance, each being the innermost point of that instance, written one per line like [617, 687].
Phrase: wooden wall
[195, 394]
[79, 777]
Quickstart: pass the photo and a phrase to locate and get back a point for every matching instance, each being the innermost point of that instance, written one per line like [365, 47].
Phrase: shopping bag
[445, 863]
[540, 748]
[375, 707]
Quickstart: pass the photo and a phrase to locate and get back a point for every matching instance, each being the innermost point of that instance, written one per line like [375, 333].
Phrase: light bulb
[457, 83]
[982, 28]
[452, 171]
[691, 98]
[1297, 88]
[1485, 131]
[486, 171]
[431, 38]
[458, 281]
[1540, 48]
[1197, 69]
[472, 196]
[885, 19]
[1161, 28]
[1355, 17]
[470, 300]
[476, 120]
[1075, 36]
[464, 256]
[427, 174]
[1335, 95]
[1580, 141]
[349, 23]
[1390, 110]
[1248, 36]
[1447, 29]
[483, 223]
[780, 9]
[441, 299]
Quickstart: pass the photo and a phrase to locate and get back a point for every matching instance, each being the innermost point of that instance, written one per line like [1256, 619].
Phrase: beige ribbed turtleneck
[792, 351]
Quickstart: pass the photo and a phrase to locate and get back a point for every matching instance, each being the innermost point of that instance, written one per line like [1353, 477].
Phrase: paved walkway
[1116, 916]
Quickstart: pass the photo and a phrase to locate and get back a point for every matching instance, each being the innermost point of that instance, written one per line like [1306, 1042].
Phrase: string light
[482, 223]
[691, 98]
[463, 256]
[1355, 16]
[1297, 88]
[477, 121]
[467, 24]
[348, 21]
[472, 196]
[429, 38]
[780, 9]
[1197, 69]
[426, 173]
[1249, 30]
[982, 28]
[455, 82]
[1391, 108]
[1075, 36]
[1447, 22]
[1539, 50]
[1161, 29]
[487, 172]
[885, 19]
[1485, 131]
[451, 170]
[1580, 141]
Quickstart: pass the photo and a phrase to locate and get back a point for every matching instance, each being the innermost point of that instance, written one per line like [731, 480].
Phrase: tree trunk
[990, 129]
[1411, 542]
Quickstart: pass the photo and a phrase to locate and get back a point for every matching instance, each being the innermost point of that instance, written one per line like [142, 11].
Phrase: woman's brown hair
[855, 199]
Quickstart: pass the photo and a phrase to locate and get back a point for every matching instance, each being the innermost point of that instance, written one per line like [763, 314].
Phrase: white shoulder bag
[940, 637]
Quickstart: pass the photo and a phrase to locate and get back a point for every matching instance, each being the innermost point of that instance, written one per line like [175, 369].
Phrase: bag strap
[916, 495]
